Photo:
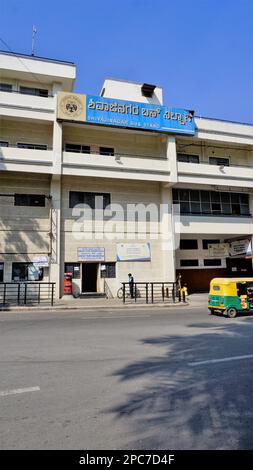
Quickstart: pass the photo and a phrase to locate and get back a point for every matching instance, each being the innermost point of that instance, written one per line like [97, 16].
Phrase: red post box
[67, 287]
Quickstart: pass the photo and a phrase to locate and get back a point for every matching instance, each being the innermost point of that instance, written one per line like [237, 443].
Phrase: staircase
[92, 295]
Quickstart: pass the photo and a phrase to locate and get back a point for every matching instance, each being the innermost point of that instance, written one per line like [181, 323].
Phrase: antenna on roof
[34, 31]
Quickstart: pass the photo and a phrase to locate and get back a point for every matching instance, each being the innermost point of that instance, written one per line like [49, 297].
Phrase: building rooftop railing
[36, 57]
[224, 120]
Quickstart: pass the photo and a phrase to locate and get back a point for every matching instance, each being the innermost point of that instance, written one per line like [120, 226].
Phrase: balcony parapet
[203, 173]
[17, 159]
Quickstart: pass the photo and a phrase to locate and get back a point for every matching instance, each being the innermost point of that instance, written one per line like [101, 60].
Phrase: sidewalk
[69, 303]
[199, 299]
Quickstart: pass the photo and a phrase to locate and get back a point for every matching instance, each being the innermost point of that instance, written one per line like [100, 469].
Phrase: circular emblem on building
[71, 106]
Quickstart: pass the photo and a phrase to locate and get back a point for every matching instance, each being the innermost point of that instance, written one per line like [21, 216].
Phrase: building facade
[168, 192]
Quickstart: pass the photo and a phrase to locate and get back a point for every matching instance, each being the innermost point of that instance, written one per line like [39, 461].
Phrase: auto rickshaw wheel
[232, 312]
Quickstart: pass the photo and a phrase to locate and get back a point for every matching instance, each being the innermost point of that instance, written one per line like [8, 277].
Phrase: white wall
[14, 131]
[24, 231]
[161, 266]
[130, 91]
[37, 69]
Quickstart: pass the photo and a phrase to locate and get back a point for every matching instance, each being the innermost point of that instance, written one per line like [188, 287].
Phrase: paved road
[137, 379]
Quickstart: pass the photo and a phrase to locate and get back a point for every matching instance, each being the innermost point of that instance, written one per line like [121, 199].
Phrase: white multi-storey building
[59, 149]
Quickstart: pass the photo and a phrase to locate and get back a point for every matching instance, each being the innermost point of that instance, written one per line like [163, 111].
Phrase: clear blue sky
[199, 51]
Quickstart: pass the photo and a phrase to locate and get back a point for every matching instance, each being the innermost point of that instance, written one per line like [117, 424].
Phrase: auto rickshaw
[231, 296]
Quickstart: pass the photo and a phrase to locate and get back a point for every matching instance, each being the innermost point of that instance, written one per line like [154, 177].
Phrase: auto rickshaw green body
[229, 295]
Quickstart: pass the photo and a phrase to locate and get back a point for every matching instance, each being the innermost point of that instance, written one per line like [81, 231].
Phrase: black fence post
[18, 294]
[39, 294]
[173, 293]
[146, 292]
[179, 295]
[25, 297]
[5, 293]
[152, 292]
[52, 295]
[124, 292]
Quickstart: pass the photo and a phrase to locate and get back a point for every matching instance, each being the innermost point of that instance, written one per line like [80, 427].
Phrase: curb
[28, 309]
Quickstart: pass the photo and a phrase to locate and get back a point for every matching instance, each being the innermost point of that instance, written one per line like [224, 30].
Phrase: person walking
[131, 285]
[178, 285]
[179, 281]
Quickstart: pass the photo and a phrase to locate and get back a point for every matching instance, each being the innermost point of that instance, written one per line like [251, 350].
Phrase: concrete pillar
[57, 148]
[251, 212]
[171, 153]
[167, 234]
[55, 266]
[7, 270]
[57, 135]
[55, 192]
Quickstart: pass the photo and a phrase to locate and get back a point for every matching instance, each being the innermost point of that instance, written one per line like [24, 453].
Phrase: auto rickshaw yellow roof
[228, 280]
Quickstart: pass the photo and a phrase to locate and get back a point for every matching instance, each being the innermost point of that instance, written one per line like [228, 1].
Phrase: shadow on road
[180, 406]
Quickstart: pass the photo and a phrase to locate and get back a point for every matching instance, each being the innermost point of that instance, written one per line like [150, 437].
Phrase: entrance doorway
[89, 277]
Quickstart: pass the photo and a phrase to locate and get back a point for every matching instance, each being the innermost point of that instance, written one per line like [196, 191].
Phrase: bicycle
[127, 293]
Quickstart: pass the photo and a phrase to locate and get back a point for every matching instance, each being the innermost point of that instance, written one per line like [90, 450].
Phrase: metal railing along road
[150, 292]
[26, 293]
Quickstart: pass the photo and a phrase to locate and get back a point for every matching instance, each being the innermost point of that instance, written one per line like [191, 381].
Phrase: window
[22, 145]
[219, 161]
[212, 262]
[188, 244]
[74, 269]
[241, 288]
[205, 243]
[26, 272]
[36, 200]
[5, 87]
[109, 151]
[3, 143]
[34, 91]
[189, 262]
[1, 272]
[108, 270]
[78, 197]
[76, 148]
[183, 157]
[211, 202]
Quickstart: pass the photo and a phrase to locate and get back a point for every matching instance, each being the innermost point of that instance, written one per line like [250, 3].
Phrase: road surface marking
[15, 391]
[224, 359]
[143, 315]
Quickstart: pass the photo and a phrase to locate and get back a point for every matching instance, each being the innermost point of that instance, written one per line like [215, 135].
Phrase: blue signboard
[113, 112]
